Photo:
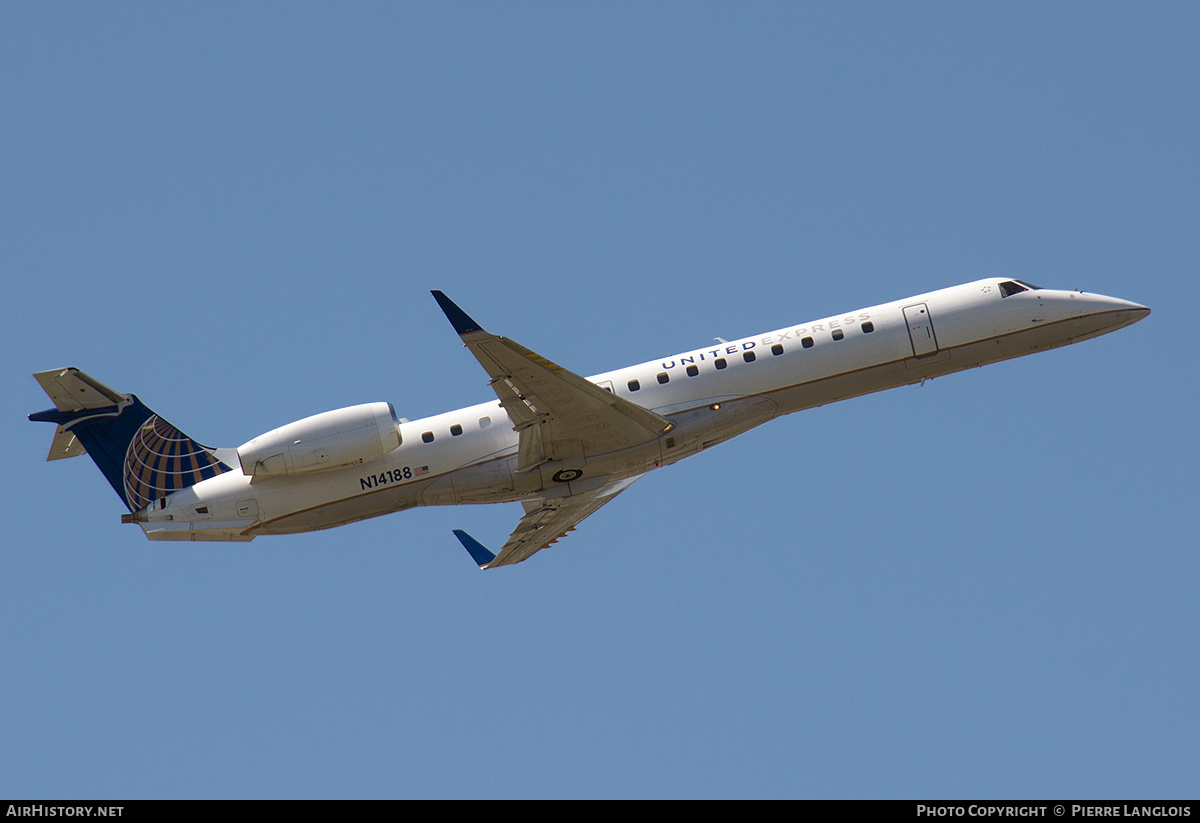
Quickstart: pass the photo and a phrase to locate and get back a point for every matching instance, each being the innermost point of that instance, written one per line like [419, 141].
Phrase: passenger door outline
[920, 330]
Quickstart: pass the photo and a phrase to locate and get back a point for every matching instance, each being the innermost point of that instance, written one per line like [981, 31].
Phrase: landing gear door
[920, 330]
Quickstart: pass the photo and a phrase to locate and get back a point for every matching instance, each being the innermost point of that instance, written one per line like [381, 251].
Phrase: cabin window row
[749, 356]
[663, 377]
[455, 430]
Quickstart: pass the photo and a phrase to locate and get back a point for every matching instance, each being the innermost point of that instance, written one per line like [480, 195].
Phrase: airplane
[560, 444]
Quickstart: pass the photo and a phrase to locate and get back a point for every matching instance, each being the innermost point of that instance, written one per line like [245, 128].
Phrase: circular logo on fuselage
[567, 475]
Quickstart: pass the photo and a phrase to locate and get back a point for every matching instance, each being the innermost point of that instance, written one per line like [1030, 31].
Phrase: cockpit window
[1010, 287]
[1029, 285]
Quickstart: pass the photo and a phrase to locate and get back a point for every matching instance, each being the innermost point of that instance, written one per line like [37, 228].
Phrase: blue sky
[981, 587]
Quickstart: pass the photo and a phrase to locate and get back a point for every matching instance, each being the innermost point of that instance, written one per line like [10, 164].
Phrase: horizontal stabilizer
[65, 444]
[73, 390]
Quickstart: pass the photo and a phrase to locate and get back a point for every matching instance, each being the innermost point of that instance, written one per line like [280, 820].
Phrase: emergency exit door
[920, 330]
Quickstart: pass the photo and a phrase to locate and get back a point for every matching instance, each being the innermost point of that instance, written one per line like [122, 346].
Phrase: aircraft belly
[207, 532]
[704, 427]
[347, 510]
[1043, 337]
[488, 482]
[906, 371]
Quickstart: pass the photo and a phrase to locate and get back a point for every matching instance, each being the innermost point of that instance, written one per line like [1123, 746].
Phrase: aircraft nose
[1138, 309]
[1111, 313]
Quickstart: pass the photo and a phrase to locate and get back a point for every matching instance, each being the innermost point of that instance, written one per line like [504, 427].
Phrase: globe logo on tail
[161, 459]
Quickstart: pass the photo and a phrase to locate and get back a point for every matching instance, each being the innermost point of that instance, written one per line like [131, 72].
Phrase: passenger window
[692, 371]
[455, 430]
[634, 385]
[748, 356]
[777, 350]
[484, 422]
[868, 327]
[427, 437]
[807, 342]
[838, 334]
[663, 377]
[720, 363]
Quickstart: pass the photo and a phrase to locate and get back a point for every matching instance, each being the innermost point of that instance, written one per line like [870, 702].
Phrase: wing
[557, 414]
[545, 521]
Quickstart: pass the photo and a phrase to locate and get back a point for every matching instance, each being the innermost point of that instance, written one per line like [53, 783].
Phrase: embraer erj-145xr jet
[560, 444]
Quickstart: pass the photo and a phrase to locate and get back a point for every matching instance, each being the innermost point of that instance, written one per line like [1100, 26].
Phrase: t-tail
[143, 457]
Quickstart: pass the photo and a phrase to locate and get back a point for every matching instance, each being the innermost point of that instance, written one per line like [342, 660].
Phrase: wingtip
[477, 550]
[459, 319]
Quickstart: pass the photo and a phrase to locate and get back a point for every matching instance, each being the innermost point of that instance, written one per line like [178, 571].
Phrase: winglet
[479, 554]
[459, 319]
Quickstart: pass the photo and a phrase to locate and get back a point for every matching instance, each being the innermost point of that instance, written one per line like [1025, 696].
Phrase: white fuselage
[710, 394]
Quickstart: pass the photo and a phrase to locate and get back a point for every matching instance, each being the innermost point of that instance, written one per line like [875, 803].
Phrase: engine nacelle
[330, 440]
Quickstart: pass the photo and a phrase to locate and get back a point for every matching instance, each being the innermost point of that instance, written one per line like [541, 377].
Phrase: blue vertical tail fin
[142, 456]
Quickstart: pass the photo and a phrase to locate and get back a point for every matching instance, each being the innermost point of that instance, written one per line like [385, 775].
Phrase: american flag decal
[420, 472]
